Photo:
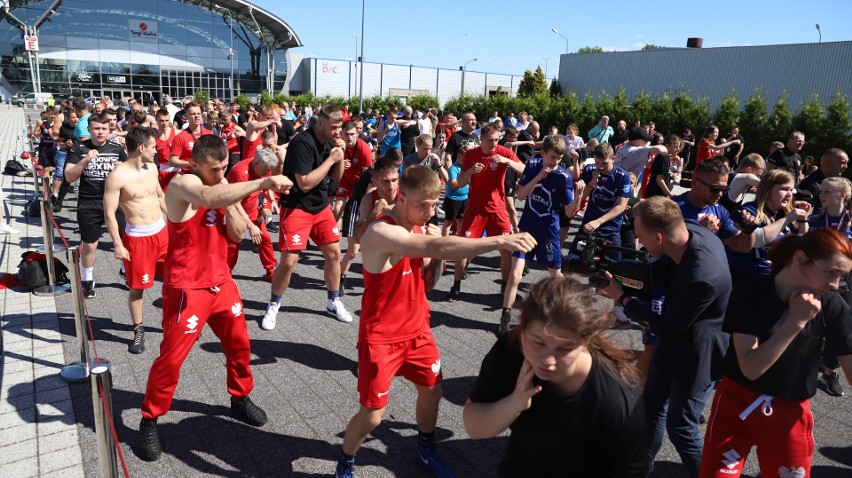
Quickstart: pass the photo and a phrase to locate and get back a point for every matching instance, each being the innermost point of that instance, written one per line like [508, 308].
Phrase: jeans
[59, 160]
[670, 407]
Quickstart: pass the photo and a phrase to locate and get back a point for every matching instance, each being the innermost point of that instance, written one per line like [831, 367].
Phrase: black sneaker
[138, 344]
[505, 319]
[123, 274]
[246, 411]
[149, 448]
[271, 226]
[345, 467]
[89, 289]
[56, 206]
[832, 384]
[453, 295]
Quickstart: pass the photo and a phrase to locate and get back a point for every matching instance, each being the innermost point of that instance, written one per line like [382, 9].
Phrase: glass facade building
[143, 48]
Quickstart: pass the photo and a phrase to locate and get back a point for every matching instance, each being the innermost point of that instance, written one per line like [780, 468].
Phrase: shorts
[59, 160]
[545, 253]
[491, 223]
[297, 225]
[332, 185]
[510, 182]
[350, 217]
[147, 246]
[165, 178]
[415, 359]
[344, 190]
[564, 221]
[90, 220]
[454, 209]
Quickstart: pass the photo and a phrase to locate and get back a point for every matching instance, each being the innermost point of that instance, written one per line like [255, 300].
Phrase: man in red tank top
[165, 137]
[267, 118]
[402, 260]
[231, 134]
[197, 287]
[184, 141]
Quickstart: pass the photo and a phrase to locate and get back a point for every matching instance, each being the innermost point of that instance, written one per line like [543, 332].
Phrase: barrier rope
[39, 173]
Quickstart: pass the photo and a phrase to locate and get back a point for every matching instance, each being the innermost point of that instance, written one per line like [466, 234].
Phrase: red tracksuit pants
[782, 431]
[264, 249]
[185, 311]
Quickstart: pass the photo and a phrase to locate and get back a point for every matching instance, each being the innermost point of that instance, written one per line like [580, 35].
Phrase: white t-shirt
[633, 158]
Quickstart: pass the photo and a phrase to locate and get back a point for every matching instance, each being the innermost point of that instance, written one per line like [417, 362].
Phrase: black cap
[639, 133]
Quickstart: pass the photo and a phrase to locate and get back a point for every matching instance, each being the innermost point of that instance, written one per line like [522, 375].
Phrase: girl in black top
[570, 396]
[770, 371]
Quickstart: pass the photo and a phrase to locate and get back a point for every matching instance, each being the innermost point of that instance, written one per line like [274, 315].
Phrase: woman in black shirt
[570, 396]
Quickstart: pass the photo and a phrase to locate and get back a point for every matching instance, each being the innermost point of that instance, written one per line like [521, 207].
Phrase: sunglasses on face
[713, 189]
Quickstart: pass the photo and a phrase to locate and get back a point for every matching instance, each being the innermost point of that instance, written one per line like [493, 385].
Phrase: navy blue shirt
[611, 186]
[755, 261]
[689, 211]
[554, 192]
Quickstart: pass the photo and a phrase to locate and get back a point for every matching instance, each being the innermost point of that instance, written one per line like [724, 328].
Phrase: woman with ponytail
[778, 325]
[570, 396]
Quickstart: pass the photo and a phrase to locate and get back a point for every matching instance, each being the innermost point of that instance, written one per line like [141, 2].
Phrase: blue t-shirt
[611, 186]
[459, 194]
[755, 261]
[554, 192]
[726, 225]
[82, 128]
[842, 223]
[392, 139]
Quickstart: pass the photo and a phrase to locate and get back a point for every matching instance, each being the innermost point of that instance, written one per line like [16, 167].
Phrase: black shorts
[90, 219]
[350, 217]
[454, 209]
[511, 182]
[564, 221]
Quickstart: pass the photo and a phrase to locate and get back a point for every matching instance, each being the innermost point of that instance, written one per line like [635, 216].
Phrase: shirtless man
[402, 259]
[198, 288]
[255, 128]
[134, 186]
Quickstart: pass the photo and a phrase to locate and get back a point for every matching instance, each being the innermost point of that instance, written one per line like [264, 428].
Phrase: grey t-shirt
[633, 158]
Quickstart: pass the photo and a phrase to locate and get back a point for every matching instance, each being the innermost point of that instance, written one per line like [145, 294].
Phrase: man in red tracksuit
[198, 288]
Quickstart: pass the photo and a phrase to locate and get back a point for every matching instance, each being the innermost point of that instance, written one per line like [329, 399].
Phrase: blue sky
[510, 37]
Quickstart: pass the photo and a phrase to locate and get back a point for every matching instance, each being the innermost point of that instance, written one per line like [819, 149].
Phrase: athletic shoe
[149, 448]
[832, 384]
[342, 287]
[453, 295]
[7, 229]
[271, 226]
[89, 289]
[56, 206]
[270, 316]
[138, 345]
[439, 210]
[247, 412]
[428, 458]
[505, 319]
[337, 309]
[620, 317]
[122, 273]
[345, 467]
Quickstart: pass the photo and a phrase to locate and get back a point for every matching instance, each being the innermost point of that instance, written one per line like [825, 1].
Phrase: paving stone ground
[304, 379]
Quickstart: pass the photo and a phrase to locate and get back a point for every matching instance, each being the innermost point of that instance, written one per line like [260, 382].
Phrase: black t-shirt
[661, 166]
[285, 132]
[456, 141]
[66, 132]
[525, 152]
[811, 184]
[93, 179]
[408, 135]
[731, 151]
[362, 184]
[794, 375]
[180, 119]
[600, 431]
[619, 137]
[786, 160]
[304, 154]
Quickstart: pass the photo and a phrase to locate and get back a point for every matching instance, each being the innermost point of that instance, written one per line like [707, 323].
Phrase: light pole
[463, 68]
[361, 60]
[355, 36]
[563, 37]
[545, 66]
[230, 48]
[820, 33]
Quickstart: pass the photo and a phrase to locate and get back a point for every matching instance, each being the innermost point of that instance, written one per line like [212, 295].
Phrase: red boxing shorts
[491, 223]
[344, 190]
[147, 246]
[166, 174]
[297, 225]
[415, 359]
[782, 431]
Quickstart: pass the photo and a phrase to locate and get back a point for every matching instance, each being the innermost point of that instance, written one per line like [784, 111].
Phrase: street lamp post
[463, 68]
[563, 37]
[231, 47]
[545, 66]
[361, 61]
[355, 36]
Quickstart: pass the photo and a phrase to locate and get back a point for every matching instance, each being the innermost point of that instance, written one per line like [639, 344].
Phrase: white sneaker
[620, 316]
[270, 316]
[7, 229]
[336, 308]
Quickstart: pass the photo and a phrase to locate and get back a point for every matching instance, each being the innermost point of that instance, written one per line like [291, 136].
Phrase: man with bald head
[788, 158]
[833, 162]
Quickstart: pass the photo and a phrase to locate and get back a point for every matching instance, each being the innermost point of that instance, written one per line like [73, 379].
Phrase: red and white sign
[31, 43]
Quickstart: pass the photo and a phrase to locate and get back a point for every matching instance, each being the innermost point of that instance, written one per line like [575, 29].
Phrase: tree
[754, 123]
[590, 49]
[640, 109]
[532, 84]
[651, 46]
[810, 120]
[781, 121]
[620, 108]
[588, 114]
[422, 102]
[837, 129]
[555, 89]
[727, 114]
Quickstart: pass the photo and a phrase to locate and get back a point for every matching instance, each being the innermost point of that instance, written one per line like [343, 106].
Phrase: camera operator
[696, 283]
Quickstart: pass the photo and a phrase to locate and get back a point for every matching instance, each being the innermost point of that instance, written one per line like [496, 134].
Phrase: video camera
[633, 271]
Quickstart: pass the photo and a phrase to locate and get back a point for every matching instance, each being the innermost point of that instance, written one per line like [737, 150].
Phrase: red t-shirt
[240, 173]
[250, 147]
[361, 157]
[164, 147]
[704, 152]
[183, 142]
[198, 250]
[231, 141]
[394, 306]
[487, 188]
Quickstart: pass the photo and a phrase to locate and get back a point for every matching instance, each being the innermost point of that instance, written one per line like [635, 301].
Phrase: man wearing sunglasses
[701, 203]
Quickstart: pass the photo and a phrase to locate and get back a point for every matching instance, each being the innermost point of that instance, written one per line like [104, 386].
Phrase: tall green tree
[780, 121]
[590, 49]
[640, 109]
[620, 107]
[532, 84]
[754, 123]
[651, 46]
[727, 113]
[588, 114]
[837, 128]
[555, 89]
[809, 119]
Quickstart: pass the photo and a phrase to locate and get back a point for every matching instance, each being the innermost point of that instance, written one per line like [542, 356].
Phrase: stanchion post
[101, 382]
[79, 371]
[51, 289]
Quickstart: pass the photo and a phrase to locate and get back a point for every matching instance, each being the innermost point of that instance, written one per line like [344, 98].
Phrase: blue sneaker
[345, 468]
[428, 458]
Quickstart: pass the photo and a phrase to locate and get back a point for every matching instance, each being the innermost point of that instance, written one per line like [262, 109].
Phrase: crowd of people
[414, 190]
